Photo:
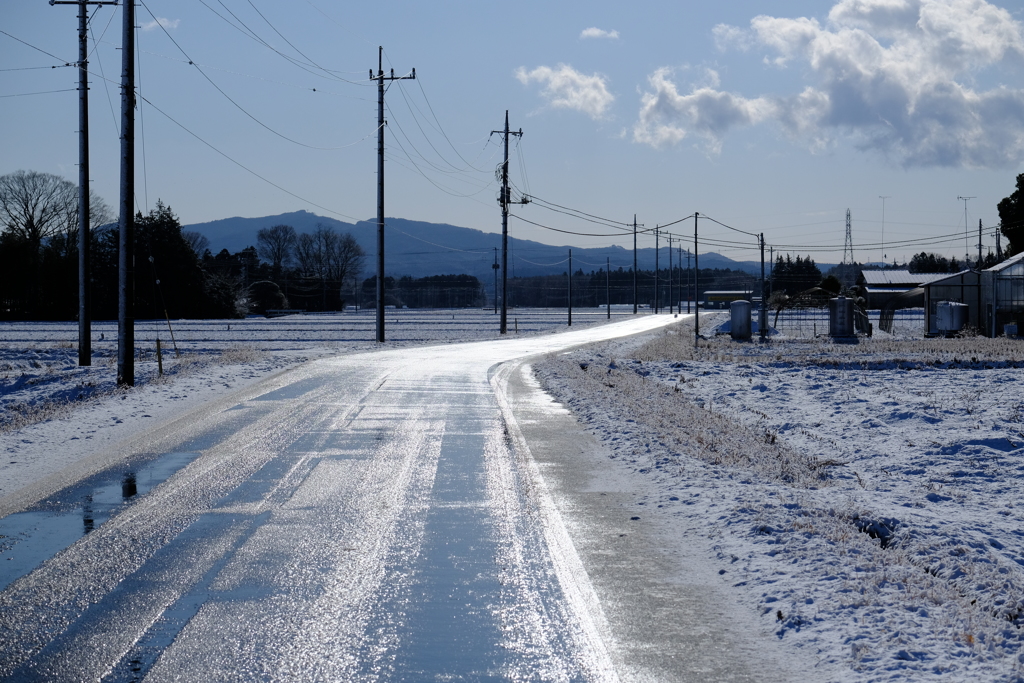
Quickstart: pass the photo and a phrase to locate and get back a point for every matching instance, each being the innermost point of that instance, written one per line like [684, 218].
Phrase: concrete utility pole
[84, 289]
[687, 279]
[126, 222]
[570, 288]
[657, 269]
[696, 284]
[763, 324]
[607, 285]
[504, 200]
[671, 303]
[634, 264]
[380, 78]
[495, 267]
[979, 244]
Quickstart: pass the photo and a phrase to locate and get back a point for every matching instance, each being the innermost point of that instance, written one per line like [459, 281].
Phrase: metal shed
[883, 285]
[995, 296]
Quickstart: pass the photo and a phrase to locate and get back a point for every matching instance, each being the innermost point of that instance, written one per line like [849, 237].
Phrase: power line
[39, 92]
[38, 49]
[246, 168]
[228, 97]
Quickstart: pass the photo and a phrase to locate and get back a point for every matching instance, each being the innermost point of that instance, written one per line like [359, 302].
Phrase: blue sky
[768, 116]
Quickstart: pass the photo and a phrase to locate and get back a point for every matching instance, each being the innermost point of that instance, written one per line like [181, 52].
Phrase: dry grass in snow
[866, 499]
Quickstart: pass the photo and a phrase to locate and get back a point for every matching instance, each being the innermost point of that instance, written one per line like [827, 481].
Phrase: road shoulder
[668, 616]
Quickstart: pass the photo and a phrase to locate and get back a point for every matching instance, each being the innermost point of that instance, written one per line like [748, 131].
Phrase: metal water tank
[950, 316]
[740, 323]
[840, 317]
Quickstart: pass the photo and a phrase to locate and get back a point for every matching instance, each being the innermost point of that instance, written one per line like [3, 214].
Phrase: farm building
[883, 285]
[994, 297]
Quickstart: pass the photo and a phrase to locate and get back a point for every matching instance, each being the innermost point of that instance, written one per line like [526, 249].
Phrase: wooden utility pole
[84, 288]
[504, 200]
[380, 78]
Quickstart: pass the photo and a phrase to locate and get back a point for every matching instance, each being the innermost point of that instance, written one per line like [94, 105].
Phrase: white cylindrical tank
[740, 323]
[840, 317]
[950, 316]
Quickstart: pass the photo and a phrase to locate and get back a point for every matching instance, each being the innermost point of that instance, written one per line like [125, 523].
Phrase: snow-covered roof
[889, 278]
[1013, 260]
[952, 277]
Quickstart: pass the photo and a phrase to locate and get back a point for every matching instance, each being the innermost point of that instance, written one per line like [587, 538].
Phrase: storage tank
[950, 316]
[740, 323]
[840, 317]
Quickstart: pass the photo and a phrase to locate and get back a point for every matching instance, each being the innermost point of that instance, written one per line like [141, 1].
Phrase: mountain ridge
[419, 248]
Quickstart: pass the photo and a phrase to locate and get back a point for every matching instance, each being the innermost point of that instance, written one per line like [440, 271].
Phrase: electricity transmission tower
[380, 78]
[967, 231]
[84, 308]
[848, 249]
[504, 200]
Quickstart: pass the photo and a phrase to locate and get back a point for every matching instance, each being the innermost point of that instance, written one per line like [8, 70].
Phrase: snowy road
[368, 517]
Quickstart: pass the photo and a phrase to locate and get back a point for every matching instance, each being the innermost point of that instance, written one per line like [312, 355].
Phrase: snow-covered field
[865, 498]
[53, 412]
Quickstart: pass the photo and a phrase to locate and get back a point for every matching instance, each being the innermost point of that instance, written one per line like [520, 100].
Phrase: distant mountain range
[419, 249]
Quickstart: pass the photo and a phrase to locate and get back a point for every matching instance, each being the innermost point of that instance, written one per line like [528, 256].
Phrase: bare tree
[197, 240]
[35, 206]
[275, 244]
[336, 260]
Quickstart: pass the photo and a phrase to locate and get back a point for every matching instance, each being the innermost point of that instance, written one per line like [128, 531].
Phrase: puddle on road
[29, 538]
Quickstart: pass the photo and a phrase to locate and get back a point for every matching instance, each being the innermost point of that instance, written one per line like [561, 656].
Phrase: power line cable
[40, 92]
[228, 97]
[38, 49]
[246, 168]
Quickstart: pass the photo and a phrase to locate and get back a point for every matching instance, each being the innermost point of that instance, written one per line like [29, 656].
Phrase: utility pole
[504, 201]
[966, 238]
[763, 324]
[671, 303]
[380, 78]
[771, 270]
[495, 267]
[84, 290]
[657, 270]
[126, 222]
[999, 244]
[883, 224]
[607, 285]
[570, 288]
[634, 264]
[979, 244]
[687, 279]
[696, 283]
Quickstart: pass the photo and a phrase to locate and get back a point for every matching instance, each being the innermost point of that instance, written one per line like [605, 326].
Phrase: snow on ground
[53, 412]
[865, 498]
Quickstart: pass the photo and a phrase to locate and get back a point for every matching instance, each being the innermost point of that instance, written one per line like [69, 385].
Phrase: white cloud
[161, 21]
[594, 32]
[666, 116]
[897, 76]
[566, 88]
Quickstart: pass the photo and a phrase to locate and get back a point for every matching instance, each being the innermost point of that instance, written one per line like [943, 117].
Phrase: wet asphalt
[371, 517]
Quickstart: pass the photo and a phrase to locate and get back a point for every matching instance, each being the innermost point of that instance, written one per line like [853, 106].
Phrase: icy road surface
[371, 517]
